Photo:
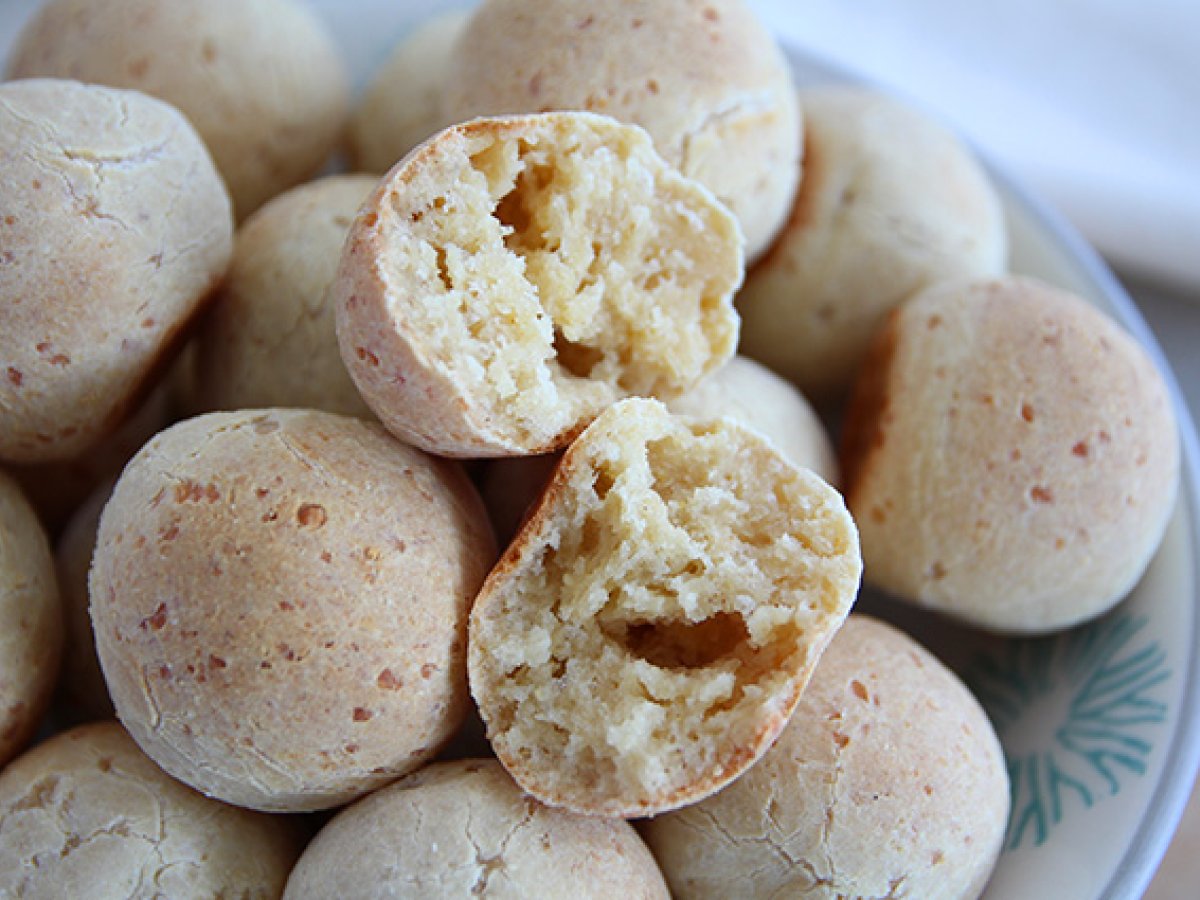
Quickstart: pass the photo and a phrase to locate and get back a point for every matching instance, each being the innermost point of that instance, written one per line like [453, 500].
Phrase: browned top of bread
[1011, 455]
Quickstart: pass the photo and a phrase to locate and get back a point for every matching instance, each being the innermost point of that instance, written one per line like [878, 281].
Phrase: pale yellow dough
[647, 633]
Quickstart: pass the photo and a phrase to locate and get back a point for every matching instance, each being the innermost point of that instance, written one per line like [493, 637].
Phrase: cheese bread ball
[646, 635]
[56, 490]
[461, 829]
[512, 277]
[114, 227]
[890, 203]
[703, 77]
[82, 693]
[280, 601]
[741, 389]
[269, 338]
[31, 629]
[86, 814]
[754, 395]
[261, 80]
[1011, 456]
[888, 781]
[402, 106]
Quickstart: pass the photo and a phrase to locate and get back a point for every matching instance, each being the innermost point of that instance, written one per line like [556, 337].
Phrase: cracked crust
[889, 782]
[123, 190]
[86, 814]
[649, 630]
[31, 627]
[890, 203]
[269, 338]
[463, 829]
[280, 600]
[261, 80]
[1011, 455]
[512, 277]
[731, 121]
[402, 106]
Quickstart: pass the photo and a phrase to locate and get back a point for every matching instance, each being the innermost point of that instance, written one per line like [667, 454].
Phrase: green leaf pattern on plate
[1101, 684]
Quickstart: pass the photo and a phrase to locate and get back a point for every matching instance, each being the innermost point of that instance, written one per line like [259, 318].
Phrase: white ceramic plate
[1100, 725]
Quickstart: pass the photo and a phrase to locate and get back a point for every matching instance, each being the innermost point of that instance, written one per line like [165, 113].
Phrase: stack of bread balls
[445, 460]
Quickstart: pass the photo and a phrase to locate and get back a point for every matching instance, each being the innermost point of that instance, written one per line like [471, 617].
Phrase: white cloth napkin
[1094, 104]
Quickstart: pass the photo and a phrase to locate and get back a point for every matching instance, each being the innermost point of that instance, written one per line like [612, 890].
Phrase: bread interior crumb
[566, 267]
[668, 611]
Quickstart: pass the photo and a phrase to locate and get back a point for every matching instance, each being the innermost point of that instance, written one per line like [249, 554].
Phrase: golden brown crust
[1023, 469]
[280, 602]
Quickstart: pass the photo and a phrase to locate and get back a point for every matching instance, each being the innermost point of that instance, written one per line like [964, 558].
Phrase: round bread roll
[280, 601]
[115, 227]
[82, 694]
[646, 635]
[705, 79]
[1011, 456]
[461, 829]
[31, 628]
[86, 814]
[741, 389]
[269, 339]
[402, 106]
[56, 490]
[890, 203]
[261, 80]
[754, 395]
[888, 781]
[513, 277]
